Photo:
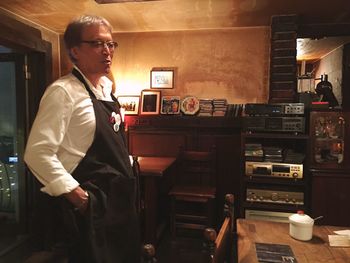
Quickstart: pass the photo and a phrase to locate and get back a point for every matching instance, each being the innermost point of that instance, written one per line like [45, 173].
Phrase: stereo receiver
[278, 124]
[273, 196]
[267, 215]
[275, 109]
[269, 169]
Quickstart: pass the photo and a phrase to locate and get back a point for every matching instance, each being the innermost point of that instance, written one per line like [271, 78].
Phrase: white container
[301, 226]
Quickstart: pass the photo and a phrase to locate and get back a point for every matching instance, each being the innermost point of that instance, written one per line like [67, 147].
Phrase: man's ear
[74, 53]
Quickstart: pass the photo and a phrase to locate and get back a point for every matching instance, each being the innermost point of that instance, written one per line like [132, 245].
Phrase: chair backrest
[219, 247]
[197, 167]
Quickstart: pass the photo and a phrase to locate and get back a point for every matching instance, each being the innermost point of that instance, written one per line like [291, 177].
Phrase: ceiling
[172, 15]
[312, 50]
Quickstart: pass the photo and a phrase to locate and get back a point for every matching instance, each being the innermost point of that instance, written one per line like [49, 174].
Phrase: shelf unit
[269, 194]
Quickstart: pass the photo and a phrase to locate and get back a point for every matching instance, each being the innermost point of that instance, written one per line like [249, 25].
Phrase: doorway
[25, 71]
[13, 125]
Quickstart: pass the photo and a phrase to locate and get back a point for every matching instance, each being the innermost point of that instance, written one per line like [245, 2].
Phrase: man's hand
[79, 199]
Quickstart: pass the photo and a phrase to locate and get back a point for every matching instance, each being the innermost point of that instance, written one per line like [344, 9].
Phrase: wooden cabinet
[330, 166]
[330, 197]
[275, 181]
[323, 187]
[163, 135]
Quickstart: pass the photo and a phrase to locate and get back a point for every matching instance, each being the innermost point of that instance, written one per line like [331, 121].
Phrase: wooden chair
[193, 194]
[148, 254]
[219, 248]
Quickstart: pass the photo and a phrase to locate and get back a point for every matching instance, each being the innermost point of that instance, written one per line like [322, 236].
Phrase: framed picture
[130, 104]
[150, 102]
[162, 79]
[170, 105]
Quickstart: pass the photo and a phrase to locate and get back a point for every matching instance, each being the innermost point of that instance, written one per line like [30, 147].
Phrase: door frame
[28, 41]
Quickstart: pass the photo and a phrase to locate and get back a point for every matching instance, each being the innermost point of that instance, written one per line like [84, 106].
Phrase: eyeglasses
[111, 45]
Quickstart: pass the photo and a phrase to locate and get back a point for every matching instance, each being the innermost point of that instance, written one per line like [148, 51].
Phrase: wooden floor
[186, 248]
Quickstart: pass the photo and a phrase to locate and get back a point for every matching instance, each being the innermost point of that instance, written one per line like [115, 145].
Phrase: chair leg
[210, 212]
[172, 217]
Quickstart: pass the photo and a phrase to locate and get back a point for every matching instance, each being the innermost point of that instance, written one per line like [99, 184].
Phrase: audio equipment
[273, 196]
[267, 215]
[270, 124]
[274, 109]
[269, 169]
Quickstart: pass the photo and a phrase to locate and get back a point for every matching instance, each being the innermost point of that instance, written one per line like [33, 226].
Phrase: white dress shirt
[62, 132]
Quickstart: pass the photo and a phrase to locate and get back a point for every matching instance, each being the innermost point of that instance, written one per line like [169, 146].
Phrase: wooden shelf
[270, 135]
[183, 121]
[274, 180]
[286, 141]
[273, 206]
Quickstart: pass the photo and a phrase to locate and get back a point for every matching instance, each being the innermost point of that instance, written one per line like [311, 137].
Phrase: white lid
[301, 218]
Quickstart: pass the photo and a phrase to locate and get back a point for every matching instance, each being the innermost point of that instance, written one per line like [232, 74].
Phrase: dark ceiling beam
[120, 1]
[316, 31]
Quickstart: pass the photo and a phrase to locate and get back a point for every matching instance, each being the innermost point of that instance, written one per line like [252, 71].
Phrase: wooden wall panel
[330, 198]
[154, 143]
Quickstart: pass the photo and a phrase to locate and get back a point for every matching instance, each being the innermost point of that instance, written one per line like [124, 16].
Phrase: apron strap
[80, 77]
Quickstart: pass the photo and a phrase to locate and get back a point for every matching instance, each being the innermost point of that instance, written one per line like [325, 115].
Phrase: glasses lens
[111, 45]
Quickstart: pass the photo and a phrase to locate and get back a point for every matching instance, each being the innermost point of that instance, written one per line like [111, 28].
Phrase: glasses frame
[101, 44]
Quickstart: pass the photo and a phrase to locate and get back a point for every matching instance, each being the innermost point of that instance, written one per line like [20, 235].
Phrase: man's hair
[72, 35]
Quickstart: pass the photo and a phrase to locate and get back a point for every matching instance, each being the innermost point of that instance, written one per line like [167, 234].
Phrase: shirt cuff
[60, 186]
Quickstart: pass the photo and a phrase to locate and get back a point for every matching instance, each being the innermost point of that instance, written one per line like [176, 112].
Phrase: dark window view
[12, 138]
[8, 146]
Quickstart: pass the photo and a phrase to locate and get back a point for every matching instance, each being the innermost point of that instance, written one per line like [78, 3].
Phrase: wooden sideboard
[162, 135]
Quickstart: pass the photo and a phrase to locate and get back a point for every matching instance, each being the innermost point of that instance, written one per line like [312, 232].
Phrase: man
[77, 151]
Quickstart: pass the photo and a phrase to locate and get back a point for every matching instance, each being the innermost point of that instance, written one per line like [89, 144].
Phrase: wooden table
[151, 170]
[317, 250]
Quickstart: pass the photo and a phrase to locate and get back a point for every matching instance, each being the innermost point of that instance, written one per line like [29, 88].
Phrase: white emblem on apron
[115, 119]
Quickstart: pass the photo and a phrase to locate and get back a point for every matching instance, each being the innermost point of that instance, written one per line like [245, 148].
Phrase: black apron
[109, 230]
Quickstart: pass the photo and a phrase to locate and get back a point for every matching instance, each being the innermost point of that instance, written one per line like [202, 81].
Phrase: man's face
[94, 57]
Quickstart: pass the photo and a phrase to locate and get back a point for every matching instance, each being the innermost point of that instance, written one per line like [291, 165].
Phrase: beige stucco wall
[230, 63]
[223, 63]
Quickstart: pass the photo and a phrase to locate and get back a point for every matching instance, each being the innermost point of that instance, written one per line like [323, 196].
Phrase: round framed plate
[190, 105]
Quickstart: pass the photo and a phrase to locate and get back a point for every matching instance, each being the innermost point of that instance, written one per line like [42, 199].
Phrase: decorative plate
[190, 105]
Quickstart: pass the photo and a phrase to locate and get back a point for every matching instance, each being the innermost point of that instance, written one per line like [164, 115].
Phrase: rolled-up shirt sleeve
[46, 136]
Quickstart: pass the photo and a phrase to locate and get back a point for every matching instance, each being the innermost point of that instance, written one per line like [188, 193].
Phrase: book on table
[274, 253]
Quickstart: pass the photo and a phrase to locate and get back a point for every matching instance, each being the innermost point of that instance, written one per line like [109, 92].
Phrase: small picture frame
[130, 104]
[162, 79]
[150, 102]
[170, 105]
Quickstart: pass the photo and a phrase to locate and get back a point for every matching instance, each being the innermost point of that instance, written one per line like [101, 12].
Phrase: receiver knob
[274, 196]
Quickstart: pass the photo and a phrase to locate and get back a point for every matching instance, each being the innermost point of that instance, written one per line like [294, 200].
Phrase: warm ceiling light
[120, 1]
